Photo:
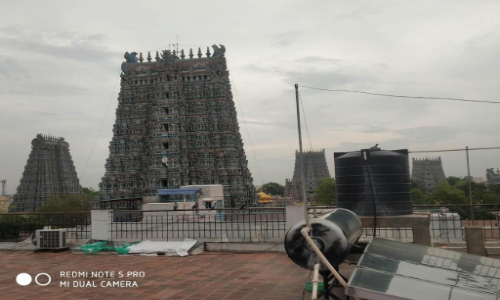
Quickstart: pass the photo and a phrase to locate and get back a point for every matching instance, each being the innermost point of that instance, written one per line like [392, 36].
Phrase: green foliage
[419, 198]
[464, 186]
[494, 188]
[416, 185]
[87, 191]
[457, 192]
[273, 188]
[326, 192]
[446, 194]
[452, 180]
[67, 203]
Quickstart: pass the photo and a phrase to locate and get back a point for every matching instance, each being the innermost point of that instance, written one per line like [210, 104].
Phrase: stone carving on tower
[176, 125]
[315, 167]
[49, 171]
[428, 172]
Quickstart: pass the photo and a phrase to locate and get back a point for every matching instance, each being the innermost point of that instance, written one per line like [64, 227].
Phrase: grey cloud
[60, 45]
[374, 129]
[285, 39]
[429, 134]
[316, 59]
[258, 69]
[326, 79]
[411, 136]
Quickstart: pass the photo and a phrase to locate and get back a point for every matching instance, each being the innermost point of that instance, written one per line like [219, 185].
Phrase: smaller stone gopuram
[428, 172]
[49, 171]
[315, 167]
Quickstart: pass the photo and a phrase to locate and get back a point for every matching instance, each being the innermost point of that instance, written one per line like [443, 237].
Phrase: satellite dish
[164, 159]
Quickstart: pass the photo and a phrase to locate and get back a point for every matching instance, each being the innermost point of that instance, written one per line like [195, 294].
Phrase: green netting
[125, 248]
[101, 246]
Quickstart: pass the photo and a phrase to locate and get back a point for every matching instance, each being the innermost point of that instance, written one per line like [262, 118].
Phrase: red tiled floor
[208, 276]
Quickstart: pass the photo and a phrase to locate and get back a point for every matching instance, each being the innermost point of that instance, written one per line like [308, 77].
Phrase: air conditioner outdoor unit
[51, 239]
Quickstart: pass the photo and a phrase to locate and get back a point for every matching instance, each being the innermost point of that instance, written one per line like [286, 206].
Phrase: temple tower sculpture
[176, 125]
[49, 171]
[315, 167]
[428, 172]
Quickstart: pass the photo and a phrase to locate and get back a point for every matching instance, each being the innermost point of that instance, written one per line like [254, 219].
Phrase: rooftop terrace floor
[210, 276]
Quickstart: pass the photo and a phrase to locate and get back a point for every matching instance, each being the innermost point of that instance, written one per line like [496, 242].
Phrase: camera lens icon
[25, 279]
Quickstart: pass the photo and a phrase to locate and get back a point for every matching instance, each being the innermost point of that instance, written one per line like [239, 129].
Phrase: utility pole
[303, 179]
[4, 187]
[470, 183]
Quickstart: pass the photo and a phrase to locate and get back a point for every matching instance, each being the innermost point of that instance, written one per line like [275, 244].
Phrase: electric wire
[100, 127]
[454, 150]
[246, 129]
[401, 96]
[305, 121]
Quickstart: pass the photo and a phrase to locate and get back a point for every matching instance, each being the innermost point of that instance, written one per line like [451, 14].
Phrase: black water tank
[365, 176]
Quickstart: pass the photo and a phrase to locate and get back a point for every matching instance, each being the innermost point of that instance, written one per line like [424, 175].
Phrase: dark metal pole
[470, 183]
[303, 179]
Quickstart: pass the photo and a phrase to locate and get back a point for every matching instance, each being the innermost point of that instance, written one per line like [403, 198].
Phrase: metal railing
[245, 225]
[16, 227]
[447, 222]
[233, 225]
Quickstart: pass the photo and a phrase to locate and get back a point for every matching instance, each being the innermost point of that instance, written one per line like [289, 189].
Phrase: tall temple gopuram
[315, 167]
[428, 172]
[176, 125]
[49, 171]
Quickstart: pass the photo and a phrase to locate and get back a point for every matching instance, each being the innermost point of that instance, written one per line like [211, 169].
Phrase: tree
[67, 203]
[88, 191]
[419, 198]
[452, 180]
[445, 194]
[273, 188]
[415, 184]
[326, 191]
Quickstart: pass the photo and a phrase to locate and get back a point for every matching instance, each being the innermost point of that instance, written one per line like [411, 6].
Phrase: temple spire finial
[149, 56]
[199, 52]
[140, 57]
[191, 53]
[157, 57]
[208, 52]
[182, 54]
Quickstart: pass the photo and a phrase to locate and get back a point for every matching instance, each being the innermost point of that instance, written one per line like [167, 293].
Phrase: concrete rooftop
[210, 276]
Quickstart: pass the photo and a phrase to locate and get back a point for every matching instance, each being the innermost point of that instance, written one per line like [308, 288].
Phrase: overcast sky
[59, 61]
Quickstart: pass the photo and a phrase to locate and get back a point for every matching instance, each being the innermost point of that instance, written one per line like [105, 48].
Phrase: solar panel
[395, 270]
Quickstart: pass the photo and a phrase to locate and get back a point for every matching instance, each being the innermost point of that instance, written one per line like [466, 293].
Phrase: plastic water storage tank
[368, 176]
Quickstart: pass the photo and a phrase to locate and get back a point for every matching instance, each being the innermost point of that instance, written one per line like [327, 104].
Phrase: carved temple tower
[49, 171]
[315, 167]
[428, 172]
[176, 125]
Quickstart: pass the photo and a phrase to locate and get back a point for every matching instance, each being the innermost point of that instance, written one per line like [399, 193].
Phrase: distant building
[49, 171]
[176, 125]
[492, 177]
[4, 204]
[428, 172]
[478, 179]
[315, 167]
